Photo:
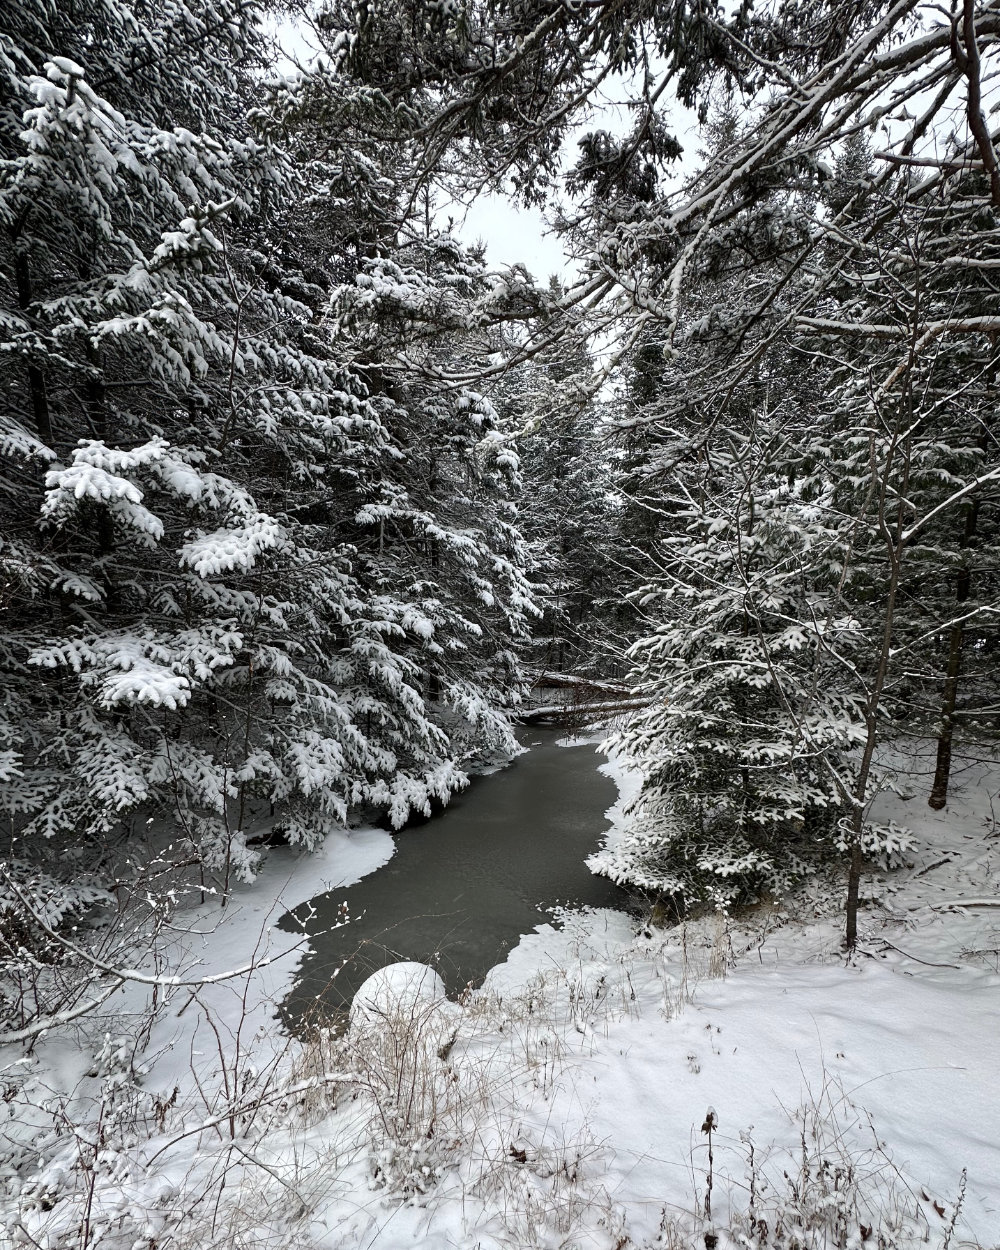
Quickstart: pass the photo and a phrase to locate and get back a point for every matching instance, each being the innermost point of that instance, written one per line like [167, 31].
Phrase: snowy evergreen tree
[567, 509]
[222, 533]
[743, 742]
[172, 404]
[443, 553]
[827, 488]
[909, 413]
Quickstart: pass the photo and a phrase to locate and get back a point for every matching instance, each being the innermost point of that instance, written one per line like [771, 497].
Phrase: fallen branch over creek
[554, 713]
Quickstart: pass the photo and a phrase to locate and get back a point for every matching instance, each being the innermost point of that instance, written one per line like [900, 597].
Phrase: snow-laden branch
[38, 1027]
[120, 976]
[253, 1103]
[921, 336]
[969, 62]
[945, 626]
[945, 504]
[925, 333]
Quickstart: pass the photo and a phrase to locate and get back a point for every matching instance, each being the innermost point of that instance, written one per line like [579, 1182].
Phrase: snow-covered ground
[564, 1103]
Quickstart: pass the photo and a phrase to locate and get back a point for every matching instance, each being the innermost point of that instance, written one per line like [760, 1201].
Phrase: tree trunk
[95, 397]
[942, 768]
[894, 552]
[36, 378]
[853, 896]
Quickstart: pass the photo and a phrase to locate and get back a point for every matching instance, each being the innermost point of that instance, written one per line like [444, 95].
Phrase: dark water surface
[462, 888]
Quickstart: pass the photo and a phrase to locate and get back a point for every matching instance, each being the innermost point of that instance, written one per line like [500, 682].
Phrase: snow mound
[403, 989]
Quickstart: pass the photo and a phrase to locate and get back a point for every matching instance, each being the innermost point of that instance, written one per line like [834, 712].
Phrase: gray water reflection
[462, 888]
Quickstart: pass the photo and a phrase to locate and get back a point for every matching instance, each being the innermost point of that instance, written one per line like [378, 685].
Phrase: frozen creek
[464, 886]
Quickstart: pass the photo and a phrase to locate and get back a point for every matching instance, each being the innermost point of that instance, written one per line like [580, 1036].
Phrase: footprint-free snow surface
[562, 1104]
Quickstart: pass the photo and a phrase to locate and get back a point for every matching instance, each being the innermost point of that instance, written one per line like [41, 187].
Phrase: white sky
[513, 236]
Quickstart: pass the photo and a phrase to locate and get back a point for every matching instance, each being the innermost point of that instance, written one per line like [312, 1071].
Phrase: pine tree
[909, 413]
[222, 535]
[174, 401]
[443, 553]
[823, 509]
[567, 511]
[745, 741]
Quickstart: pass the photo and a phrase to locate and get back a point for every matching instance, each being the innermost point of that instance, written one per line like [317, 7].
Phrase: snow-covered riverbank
[564, 1103]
